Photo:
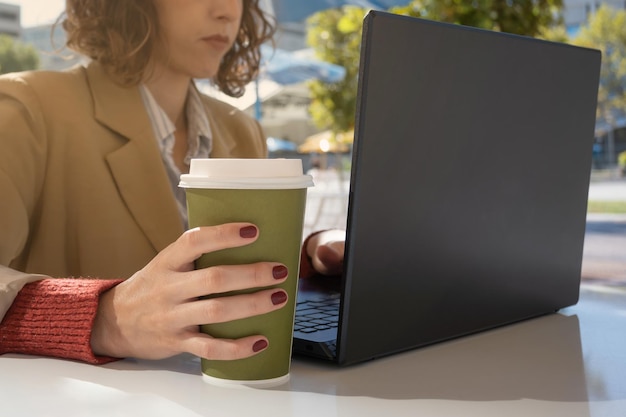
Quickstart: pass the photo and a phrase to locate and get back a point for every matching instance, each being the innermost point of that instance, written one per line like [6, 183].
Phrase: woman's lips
[218, 42]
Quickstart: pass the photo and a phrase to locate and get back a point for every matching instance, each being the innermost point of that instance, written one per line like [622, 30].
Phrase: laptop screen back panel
[469, 183]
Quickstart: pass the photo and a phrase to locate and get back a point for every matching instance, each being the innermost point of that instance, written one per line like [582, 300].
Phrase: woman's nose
[229, 10]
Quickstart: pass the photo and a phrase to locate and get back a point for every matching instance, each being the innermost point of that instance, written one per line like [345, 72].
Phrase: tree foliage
[606, 31]
[16, 56]
[522, 17]
[335, 35]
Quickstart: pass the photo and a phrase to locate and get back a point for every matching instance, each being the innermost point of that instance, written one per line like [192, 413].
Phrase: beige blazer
[83, 189]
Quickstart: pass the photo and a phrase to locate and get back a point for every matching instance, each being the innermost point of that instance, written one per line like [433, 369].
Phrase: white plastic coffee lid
[216, 173]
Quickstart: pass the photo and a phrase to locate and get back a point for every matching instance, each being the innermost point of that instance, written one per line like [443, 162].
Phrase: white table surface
[568, 364]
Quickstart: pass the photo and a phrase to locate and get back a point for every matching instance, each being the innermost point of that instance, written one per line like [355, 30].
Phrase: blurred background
[305, 95]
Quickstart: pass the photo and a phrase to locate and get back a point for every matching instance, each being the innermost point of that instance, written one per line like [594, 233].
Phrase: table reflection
[536, 359]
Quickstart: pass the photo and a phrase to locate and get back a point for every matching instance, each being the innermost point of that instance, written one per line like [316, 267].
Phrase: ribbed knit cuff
[54, 317]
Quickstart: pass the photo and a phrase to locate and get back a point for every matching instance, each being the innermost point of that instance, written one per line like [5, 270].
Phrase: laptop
[468, 194]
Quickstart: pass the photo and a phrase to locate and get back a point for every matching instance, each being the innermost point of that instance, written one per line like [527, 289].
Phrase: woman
[88, 177]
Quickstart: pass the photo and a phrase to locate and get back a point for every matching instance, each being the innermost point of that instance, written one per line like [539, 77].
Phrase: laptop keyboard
[317, 315]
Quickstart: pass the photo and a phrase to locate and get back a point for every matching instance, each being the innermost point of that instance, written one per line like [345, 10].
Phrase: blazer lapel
[136, 166]
[223, 143]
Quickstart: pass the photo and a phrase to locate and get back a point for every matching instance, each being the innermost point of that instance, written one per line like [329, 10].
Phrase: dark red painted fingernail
[279, 297]
[259, 345]
[280, 272]
[248, 232]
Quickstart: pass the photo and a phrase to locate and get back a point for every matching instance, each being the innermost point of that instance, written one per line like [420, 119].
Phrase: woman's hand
[157, 312]
[326, 250]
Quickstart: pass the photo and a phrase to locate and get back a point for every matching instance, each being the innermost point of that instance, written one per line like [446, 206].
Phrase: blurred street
[604, 256]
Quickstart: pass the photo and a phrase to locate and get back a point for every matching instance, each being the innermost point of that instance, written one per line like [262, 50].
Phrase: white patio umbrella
[293, 67]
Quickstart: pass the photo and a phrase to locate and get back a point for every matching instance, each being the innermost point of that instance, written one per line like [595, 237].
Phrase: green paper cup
[271, 193]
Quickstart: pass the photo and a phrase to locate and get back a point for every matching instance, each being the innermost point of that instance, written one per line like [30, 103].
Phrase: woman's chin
[205, 73]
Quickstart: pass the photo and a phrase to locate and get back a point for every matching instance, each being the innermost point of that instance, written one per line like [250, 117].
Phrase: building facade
[576, 12]
[10, 20]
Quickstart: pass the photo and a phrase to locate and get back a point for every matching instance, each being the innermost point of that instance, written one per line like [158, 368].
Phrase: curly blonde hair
[122, 34]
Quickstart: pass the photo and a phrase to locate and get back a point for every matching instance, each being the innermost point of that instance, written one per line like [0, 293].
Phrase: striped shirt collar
[200, 138]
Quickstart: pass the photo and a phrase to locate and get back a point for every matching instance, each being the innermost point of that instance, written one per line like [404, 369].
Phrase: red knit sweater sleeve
[54, 317]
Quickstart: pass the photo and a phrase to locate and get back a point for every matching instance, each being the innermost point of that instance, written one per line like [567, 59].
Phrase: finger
[328, 258]
[228, 308]
[197, 241]
[224, 278]
[207, 347]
